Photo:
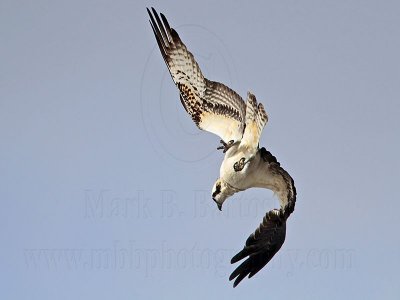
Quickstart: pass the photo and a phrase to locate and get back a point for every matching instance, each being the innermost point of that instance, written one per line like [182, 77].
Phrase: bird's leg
[225, 146]
[239, 165]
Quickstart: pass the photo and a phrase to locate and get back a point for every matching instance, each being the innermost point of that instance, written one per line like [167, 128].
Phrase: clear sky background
[105, 182]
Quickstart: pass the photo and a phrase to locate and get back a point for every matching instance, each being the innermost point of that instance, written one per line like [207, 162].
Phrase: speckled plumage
[216, 108]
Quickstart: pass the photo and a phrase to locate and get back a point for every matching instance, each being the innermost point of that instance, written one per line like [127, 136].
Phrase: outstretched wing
[269, 237]
[213, 106]
[256, 118]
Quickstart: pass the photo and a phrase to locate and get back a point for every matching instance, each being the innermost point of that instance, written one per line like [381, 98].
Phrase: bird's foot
[225, 146]
[239, 165]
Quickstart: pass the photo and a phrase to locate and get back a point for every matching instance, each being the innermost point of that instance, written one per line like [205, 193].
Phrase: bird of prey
[216, 108]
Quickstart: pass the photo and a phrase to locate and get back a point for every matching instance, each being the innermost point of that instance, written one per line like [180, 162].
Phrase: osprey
[216, 108]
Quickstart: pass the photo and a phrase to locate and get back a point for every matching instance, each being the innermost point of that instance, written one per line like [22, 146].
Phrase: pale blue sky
[105, 182]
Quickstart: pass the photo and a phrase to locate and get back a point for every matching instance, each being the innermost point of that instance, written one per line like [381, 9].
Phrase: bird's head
[220, 192]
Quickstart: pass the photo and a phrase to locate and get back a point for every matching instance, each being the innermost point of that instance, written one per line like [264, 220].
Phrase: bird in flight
[216, 108]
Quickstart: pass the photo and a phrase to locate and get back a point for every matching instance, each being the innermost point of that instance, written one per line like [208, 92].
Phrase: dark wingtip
[236, 282]
[236, 258]
[239, 279]
[261, 246]
[148, 11]
[231, 277]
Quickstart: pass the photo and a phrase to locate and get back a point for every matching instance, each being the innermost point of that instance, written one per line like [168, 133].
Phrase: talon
[225, 146]
[239, 165]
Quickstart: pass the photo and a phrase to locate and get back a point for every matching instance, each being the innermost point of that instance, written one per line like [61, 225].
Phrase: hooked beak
[218, 204]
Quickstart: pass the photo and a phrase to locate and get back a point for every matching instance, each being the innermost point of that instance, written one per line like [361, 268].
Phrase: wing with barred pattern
[213, 106]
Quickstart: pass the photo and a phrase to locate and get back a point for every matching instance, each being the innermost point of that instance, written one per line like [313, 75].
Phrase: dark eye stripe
[217, 190]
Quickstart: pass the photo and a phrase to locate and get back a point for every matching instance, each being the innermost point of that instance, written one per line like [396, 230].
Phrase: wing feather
[256, 118]
[213, 106]
[269, 237]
